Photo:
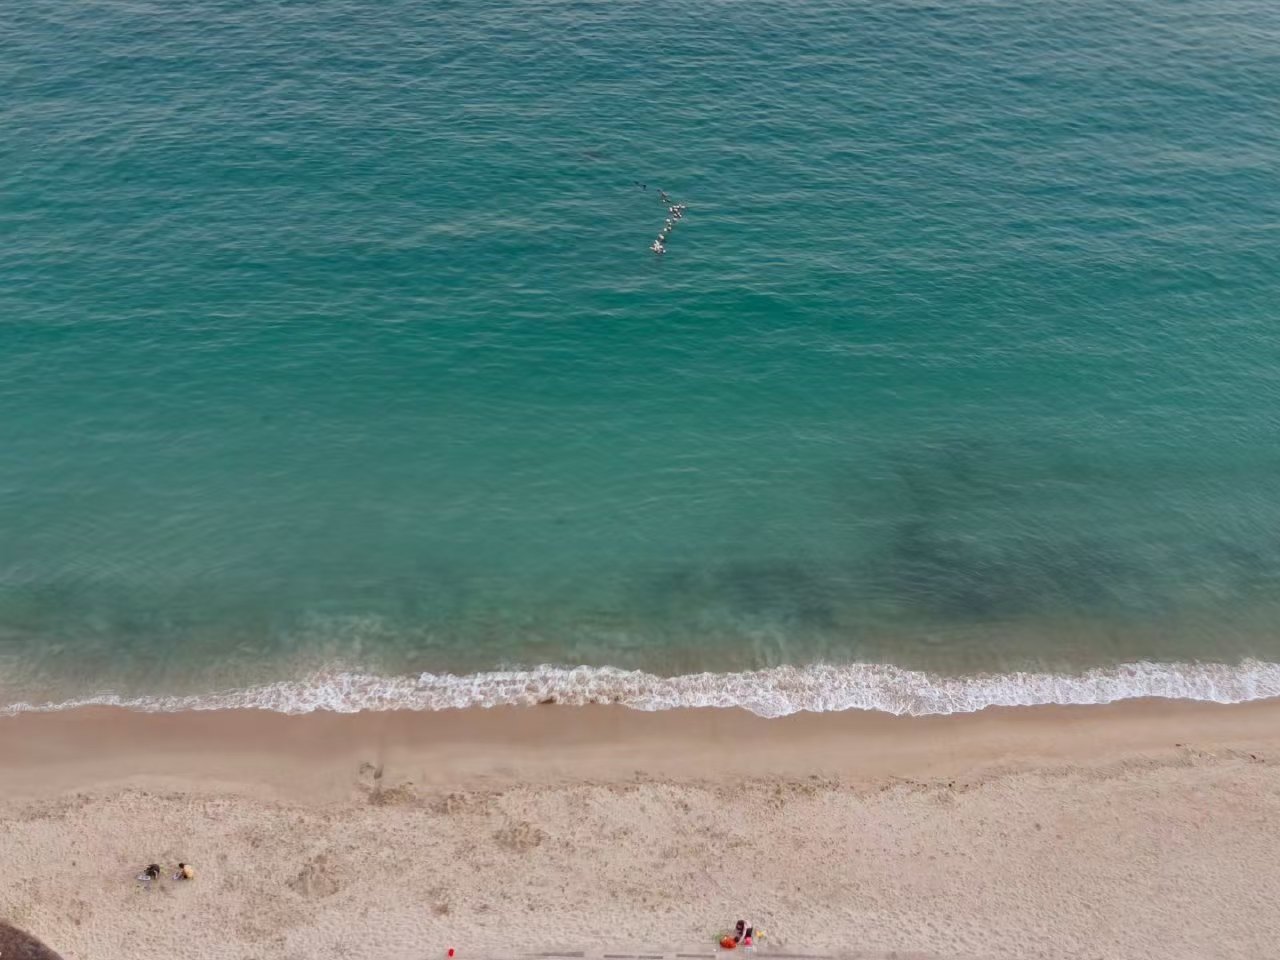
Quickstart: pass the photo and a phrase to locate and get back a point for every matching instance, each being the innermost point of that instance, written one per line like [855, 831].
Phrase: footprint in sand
[317, 878]
[521, 836]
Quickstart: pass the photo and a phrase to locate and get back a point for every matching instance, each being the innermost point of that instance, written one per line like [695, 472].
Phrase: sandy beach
[1145, 829]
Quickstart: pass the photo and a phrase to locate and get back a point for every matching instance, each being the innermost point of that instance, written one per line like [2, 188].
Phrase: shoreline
[308, 756]
[1138, 829]
[768, 692]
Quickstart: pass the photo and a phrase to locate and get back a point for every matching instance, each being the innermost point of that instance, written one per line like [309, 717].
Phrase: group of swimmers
[675, 211]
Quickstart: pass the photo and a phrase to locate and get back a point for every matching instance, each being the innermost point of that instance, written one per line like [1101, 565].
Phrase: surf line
[675, 213]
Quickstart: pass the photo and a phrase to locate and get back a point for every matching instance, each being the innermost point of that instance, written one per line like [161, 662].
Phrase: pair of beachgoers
[185, 872]
[742, 934]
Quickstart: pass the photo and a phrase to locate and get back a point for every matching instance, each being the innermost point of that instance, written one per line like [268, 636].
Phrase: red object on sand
[451, 951]
[727, 942]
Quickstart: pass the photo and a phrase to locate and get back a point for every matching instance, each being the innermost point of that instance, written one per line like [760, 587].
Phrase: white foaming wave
[772, 692]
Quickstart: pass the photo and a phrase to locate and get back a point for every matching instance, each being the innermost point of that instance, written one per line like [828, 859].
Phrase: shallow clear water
[330, 336]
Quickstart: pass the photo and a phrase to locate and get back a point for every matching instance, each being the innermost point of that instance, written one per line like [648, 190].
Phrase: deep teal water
[329, 333]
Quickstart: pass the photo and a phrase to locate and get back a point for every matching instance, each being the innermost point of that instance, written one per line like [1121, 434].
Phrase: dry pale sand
[1139, 830]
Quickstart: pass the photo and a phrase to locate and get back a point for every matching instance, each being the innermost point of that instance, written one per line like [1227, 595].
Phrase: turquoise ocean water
[335, 366]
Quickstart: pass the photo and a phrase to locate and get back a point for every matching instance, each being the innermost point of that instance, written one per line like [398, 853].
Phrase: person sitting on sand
[185, 872]
[730, 941]
[151, 873]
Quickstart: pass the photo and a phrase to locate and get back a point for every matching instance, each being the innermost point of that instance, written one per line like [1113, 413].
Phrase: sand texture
[1146, 830]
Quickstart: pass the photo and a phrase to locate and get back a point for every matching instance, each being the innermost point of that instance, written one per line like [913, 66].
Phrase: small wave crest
[773, 692]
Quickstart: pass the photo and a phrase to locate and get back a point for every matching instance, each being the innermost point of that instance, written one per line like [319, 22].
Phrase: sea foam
[772, 692]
